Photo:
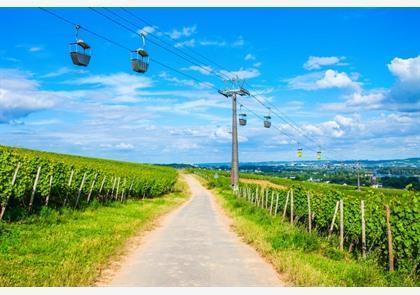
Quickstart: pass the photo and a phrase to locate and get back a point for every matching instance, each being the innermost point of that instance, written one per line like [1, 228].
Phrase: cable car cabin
[267, 121]
[299, 152]
[80, 53]
[140, 61]
[318, 155]
[242, 119]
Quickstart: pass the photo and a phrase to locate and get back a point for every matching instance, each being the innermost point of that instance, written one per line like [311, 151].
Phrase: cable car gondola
[318, 154]
[267, 120]
[242, 117]
[80, 51]
[299, 151]
[140, 59]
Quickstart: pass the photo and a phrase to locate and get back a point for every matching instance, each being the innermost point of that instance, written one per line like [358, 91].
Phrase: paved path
[195, 247]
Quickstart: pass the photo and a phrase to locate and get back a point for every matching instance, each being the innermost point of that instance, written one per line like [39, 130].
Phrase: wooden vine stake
[49, 189]
[68, 187]
[113, 186]
[389, 234]
[291, 207]
[309, 213]
[256, 196]
[123, 189]
[285, 205]
[334, 217]
[362, 211]
[91, 187]
[277, 205]
[266, 199]
[80, 189]
[341, 225]
[118, 187]
[31, 201]
[130, 189]
[102, 186]
[4, 205]
[271, 203]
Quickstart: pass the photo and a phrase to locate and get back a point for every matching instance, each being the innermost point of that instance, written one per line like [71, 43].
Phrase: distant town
[398, 174]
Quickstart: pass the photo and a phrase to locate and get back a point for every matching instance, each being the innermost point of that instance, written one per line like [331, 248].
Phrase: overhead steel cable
[166, 66]
[125, 47]
[225, 77]
[149, 40]
[164, 35]
[279, 129]
[281, 117]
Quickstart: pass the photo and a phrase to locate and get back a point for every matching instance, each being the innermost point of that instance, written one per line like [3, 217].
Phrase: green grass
[305, 259]
[70, 248]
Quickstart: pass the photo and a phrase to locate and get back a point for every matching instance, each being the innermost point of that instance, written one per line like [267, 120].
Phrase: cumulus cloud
[404, 95]
[406, 70]
[20, 95]
[322, 80]
[358, 101]
[316, 62]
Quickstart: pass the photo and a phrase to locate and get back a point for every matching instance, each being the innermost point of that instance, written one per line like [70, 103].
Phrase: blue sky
[349, 78]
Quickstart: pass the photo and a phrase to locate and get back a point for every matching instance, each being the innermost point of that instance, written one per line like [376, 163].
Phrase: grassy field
[70, 248]
[305, 259]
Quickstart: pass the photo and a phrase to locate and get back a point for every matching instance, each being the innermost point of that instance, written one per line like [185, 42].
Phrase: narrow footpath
[194, 247]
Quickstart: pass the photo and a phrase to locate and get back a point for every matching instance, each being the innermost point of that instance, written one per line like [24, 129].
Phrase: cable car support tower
[232, 93]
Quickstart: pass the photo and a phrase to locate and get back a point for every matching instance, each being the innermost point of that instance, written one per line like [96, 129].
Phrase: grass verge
[70, 248]
[304, 259]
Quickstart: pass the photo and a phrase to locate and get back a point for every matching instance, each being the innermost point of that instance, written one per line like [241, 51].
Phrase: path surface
[195, 247]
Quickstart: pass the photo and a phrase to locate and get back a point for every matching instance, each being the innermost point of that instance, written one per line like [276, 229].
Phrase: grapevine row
[31, 180]
[324, 204]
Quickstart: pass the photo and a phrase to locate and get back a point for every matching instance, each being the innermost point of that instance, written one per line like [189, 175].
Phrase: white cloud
[257, 64]
[63, 71]
[323, 80]
[177, 81]
[404, 95]
[239, 42]
[21, 95]
[147, 30]
[184, 32]
[35, 49]
[249, 56]
[187, 43]
[213, 43]
[124, 146]
[118, 87]
[242, 73]
[316, 62]
[334, 79]
[205, 70]
[359, 101]
[406, 70]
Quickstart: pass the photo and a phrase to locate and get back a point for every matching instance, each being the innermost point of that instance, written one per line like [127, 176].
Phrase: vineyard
[31, 180]
[369, 223]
